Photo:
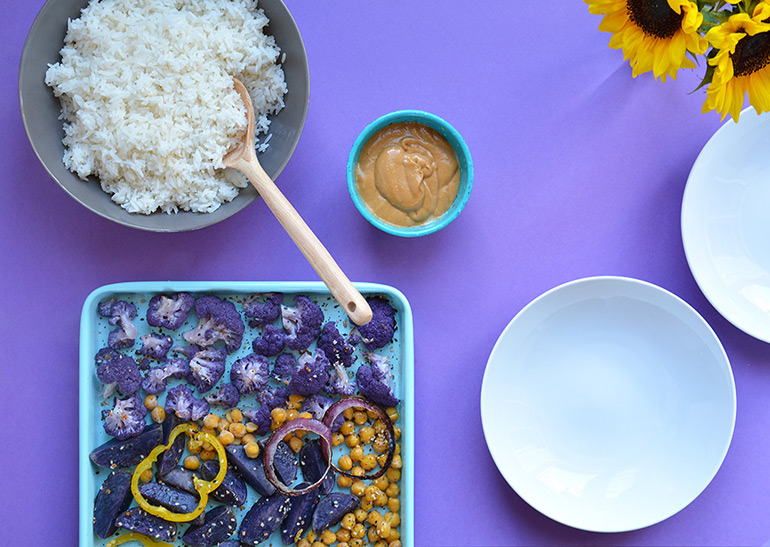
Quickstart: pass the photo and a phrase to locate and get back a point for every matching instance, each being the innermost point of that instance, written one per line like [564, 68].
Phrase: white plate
[608, 404]
[726, 222]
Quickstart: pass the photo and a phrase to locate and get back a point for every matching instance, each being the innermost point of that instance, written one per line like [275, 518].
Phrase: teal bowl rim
[450, 134]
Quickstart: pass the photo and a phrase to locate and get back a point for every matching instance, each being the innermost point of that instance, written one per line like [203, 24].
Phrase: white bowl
[726, 224]
[608, 404]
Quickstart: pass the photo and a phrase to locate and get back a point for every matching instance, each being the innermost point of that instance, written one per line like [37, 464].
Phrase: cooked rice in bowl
[148, 101]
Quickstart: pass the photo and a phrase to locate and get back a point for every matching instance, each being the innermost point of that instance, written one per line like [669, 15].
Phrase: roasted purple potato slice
[180, 478]
[251, 469]
[232, 491]
[114, 497]
[219, 524]
[313, 466]
[173, 499]
[115, 453]
[168, 459]
[285, 463]
[300, 514]
[230, 543]
[331, 509]
[139, 520]
[264, 518]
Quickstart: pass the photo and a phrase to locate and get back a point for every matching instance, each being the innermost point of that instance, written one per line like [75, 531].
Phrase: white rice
[148, 100]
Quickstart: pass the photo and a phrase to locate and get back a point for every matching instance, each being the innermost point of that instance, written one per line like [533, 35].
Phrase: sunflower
[741, 61]
[655, 35]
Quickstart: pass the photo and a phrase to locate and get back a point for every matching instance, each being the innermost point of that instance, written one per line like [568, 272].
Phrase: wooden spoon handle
[330, 273]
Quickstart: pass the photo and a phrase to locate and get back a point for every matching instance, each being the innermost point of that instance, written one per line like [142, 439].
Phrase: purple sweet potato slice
[233, 489]
[251, 469]
[218, 525]
[139, 520]
[173, 499]
[298, 519]
[180, 478]
[115, 453]
[114, 497]
[168, 459]
[331, 509]
[264, 518]
[313, 466]
[285, 463]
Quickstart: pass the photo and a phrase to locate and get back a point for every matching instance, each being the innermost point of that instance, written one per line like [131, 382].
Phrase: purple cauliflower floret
[259, 416]
[120, 313]
[155, 345]
[273, 397]
[379, 331]
[126, 419]
[217, 320]
[317, 405]
[354, 339]
[169, 311]
[335, 347]
[181, 401]
[339, 381]
[302, 323]
[106, 355]
[285, 365]
[120, 374]
[156, 379]
[269, 398]
[227, 396]
[375, 381]
[250, 373]
[206, 368]
[263, 312]
[310, 375]
[271, 342]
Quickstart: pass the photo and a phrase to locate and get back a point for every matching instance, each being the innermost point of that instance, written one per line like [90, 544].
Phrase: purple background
[579, 171]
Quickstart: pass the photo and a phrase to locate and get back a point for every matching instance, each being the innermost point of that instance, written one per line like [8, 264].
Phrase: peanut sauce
[408, 174]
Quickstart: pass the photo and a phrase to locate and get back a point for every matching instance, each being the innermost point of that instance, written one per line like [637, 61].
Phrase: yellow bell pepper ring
[204, 488]
[141, 538]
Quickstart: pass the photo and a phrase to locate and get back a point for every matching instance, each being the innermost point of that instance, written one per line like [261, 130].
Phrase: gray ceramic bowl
[40, 111]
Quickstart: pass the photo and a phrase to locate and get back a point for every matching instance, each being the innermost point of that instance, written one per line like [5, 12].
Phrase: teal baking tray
[93, 336]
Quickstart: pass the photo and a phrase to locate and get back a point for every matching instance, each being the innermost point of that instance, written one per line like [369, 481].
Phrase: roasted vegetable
[173, 499]
[299, 516]
[155, 345]
[264, 518]
[140, 521]
[156, 378]
[302, 323]
[125, 453]
[218, 525]
[126, 419]
[184, 404]
[114, 498]
[331, 509]
[206, 368]
[217, 320]
[203, 488]
[310, 375]
[227, 396]
[375, 380]
[251, 469]
[263, 309]
[120, 313]
[117, 372]
[250, 373]
[169, 311]
[233, 489]
[379, 331]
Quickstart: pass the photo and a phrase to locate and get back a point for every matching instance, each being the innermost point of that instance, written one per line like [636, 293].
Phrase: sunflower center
[752, 53]
[654, 17]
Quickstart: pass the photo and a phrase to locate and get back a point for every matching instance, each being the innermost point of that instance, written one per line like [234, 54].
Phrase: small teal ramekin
[463, 156]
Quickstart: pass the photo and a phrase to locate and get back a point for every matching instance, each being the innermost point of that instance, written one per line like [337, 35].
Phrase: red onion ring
[304, 424]
[354, 402]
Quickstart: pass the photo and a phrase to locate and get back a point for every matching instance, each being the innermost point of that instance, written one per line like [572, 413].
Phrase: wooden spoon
[244, 158]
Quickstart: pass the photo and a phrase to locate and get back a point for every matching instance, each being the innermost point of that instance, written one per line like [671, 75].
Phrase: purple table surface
[580, 171]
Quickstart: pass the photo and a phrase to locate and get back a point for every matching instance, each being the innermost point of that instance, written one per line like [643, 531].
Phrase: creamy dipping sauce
[408, 174]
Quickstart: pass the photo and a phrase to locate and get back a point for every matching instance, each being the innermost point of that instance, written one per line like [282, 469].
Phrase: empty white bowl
[608, 404]
[725, 223]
